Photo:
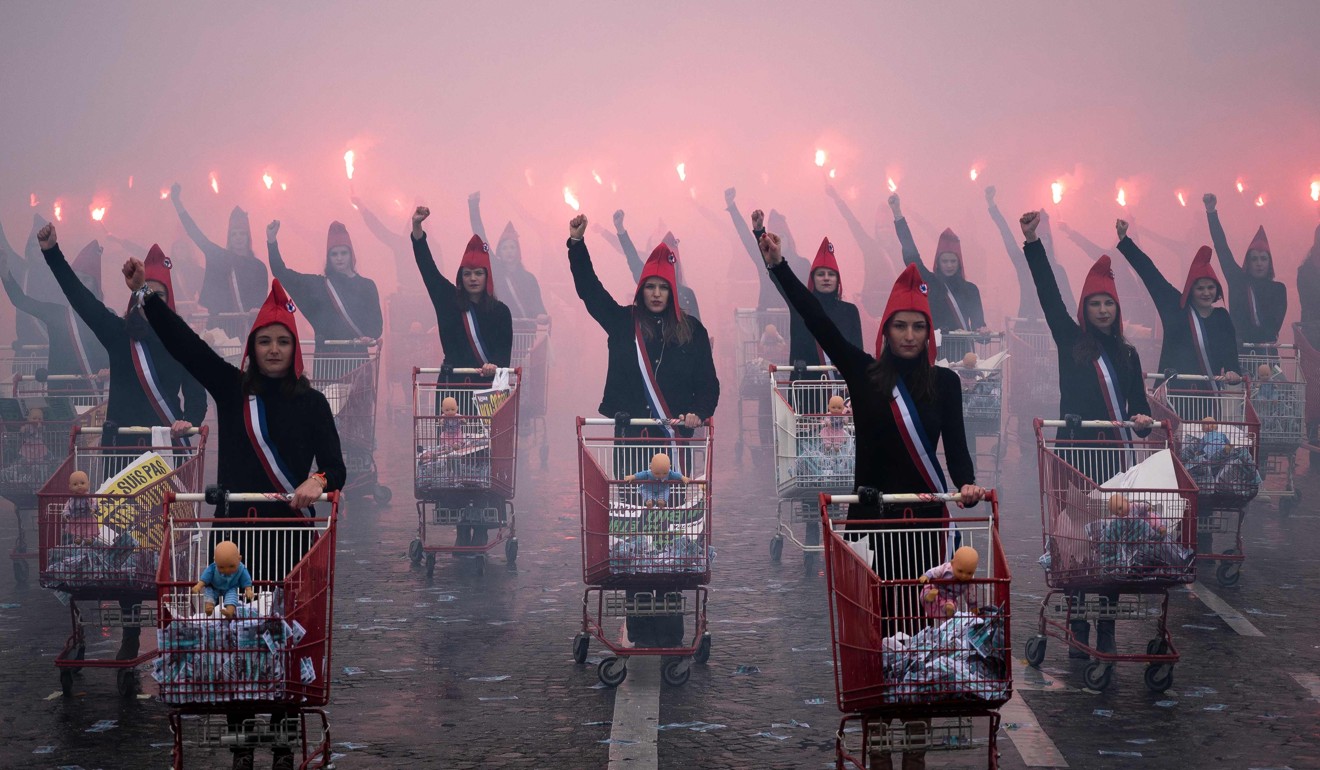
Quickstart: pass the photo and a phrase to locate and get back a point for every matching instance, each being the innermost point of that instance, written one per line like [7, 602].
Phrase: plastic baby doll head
[771, 334]
[35, 416]
[1118, 505]
[969, 361]
[227, 557]
[1263, 372]
[660, 465]
[1208, 425]
[449, 407]
[964, 563]
[78, 483]
[837, 405]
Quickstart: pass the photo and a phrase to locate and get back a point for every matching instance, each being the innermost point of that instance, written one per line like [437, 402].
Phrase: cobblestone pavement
[420, 664]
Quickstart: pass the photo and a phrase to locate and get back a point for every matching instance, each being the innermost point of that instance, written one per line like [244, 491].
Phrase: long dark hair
[884, 375]
[675, 329]
[1087, 347]
[464, 298]
[253, 383]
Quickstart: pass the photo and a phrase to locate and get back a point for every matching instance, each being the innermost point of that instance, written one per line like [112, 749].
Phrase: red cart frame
[350, 380]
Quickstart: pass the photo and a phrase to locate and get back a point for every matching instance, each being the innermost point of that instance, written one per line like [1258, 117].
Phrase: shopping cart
[348, 374]
[1218, 438]
[982, 377]
[1113, 549]
[757, 347]
[1033, 375]
[465, 468]
[102, 548]
[815, 452]
[23, 359]
[1279, 394]
[899, 657]
[645, 547]
[273, 657]
[531, 354]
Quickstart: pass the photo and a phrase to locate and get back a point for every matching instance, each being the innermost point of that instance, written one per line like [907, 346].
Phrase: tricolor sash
[254, 419]
[79, 350]
[1251, 304]
[915, 439]
[338, 305]
[474, 337]
[1200, 342]
[1107, 374]
[149, 377]
[654, 398]
[957, 310]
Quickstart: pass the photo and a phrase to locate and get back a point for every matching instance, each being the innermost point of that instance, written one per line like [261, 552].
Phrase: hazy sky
[520, 99]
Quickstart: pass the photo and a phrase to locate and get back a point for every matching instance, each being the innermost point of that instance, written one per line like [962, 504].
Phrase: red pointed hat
[825, 261]
[950, 242]
[338, 236]
[910, 294]
[670, 240]
[158, 267]
[1261, 243]
[1201, 268]
[661, 264]
[88, 262]
[477, 255]
[1099, 281]
[277, 309]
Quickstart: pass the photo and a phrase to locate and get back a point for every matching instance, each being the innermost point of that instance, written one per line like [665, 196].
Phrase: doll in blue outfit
[656, 493]
[222, 578]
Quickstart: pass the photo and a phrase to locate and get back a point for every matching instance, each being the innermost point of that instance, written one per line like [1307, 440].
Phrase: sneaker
[128, 648]
[283, 760]
[242, 759]
[1081, 633]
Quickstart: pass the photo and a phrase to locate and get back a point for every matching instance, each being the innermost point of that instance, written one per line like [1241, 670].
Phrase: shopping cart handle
[1172, 375]
[128, 430]
[1096, 424]
[443, 370]
[816, 368]
[41, 376]
[1269, 345]
[871, 497]
[636, 421]
[214, 495]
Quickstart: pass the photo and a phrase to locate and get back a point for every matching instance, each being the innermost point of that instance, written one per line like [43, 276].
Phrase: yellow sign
[132, 497]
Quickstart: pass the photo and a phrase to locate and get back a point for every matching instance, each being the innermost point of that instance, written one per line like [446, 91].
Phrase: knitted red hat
[338, 236]
[277, 309]
[825, 261]
[88, 262]
[158, 268]
[476, 255]
[1261, 243]
[909, 293]
[1099, 281]
[950, 243]
[1201, 268]
[661, 264]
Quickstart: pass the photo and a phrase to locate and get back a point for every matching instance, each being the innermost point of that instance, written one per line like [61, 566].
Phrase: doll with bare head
[222, 579]
[80, 511]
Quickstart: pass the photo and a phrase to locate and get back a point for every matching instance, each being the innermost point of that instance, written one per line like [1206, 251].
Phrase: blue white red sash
[963, 323]
[79, 350]
[654, 398]
[254, 419]
[1200, 341]
[1107, 374]
[338, 305]
[915, 439]
[149, 377]
[474, 337]
[1251, 303]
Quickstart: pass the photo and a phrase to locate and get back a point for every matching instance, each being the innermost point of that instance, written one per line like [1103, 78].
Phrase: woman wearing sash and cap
[659, 367]
[339, 304]
[476, 330]
[145, 380]
[1100, 378]
[903, 405]
[1256, 302]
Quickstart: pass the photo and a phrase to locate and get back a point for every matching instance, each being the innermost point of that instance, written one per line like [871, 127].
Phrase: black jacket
[301, 426]
[493, 317]
[312, 295]
[1179, 351]
[685, 373]
[129, 404]
[882, 460]
[63, 355]
[231, 282]
[801, 345]
[964, 291]
[1271, 296]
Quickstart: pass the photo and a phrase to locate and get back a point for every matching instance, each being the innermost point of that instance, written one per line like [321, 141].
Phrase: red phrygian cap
[1201, 268]
[88, 262]
[661, 264]
[825, 261]
[909, 294]
[1261, 243]
[949, 242]
[338, 236]
[671, 241]
[476, 255]
[1100, 281]
[277, 309]
[158, 267]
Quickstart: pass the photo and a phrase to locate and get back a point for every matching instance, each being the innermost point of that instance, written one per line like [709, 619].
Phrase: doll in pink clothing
[80, 525]
[834, 431]
[941, 600]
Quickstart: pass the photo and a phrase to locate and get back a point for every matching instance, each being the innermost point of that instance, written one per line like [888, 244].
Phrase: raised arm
[190, 227]
[865, 241]
[851, 359]
[103, 322]
[441, 289]
[33, 307]
[1233, 272]
[1015, 253]
[740, 226]
[215, 374]
[1063, 327]
[474, 214]
[1165, 294]
[1088, 246]
[299, 284]
[911, 256]
[626, 245]
[600, 305]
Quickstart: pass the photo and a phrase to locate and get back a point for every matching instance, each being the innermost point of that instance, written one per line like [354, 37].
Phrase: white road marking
[1310, 681]
[1222, 608]
[636, 716]
[1029, 737]
[1027, 678]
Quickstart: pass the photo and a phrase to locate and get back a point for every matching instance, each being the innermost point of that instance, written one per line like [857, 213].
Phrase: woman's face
[1258, 263]
[655, 294]
[239, 240]
[906, 334]
[947, 263]
[507, 251]
[474, 281]
[1204, 293]
[826, 280]
[273, 350]
[341, 259]
[1101, 311]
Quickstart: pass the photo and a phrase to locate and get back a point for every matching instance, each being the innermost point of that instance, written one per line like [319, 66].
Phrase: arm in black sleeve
[1165, 295]
[957, 455]
[1233, 272]
[33, 307]
[851, 359]
[745, 236]
[706, 383]
[300, 285]
[474, 216]
[194, 400]
[108, 327]
[213, 372]
[442, 290]
[608, 237]
[194, 232]
[329, 455]
[1063, 327]
[635, 263]
[911, 256]
[5, 248]
[501, 341]
[1136, 390]
[852, 328]
[865, 241]
[600, 305]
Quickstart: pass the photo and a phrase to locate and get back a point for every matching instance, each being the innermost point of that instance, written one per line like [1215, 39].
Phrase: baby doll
[772, 346]
[834, 432]
[80, 511]
[222, 579]
[1214, 443]
[32, 447]
[941, 600]
[451, 425]
[656, 494]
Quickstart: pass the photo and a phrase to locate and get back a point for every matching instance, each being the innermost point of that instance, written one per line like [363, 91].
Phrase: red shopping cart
[221, 675]
[465, 467]
[757, 346]
[101, 549]
[1279, 393]
[1114, 544]
[982, 378]
[933, 665]
[531, 355]
[645, 546]
[348, 374]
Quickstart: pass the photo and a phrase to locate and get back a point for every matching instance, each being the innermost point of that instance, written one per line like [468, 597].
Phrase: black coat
[493, 317]
[685, 373]
[1271, 296]
[63, 355]
[801, 345]
[312, 295]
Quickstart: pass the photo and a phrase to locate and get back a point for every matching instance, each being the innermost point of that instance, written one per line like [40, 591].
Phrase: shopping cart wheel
[702, 654]
[430, 565]
[612, 671]
[676, 671]
[1159, 677]
[776, 548]
[382, 494]
[1036, 650]
[66, 681]
[511, 551]
[126, 682]
[1228, 573]
[21, 571]
[415, 551]
[1098, 674]
[809, 564]
[581, 643]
